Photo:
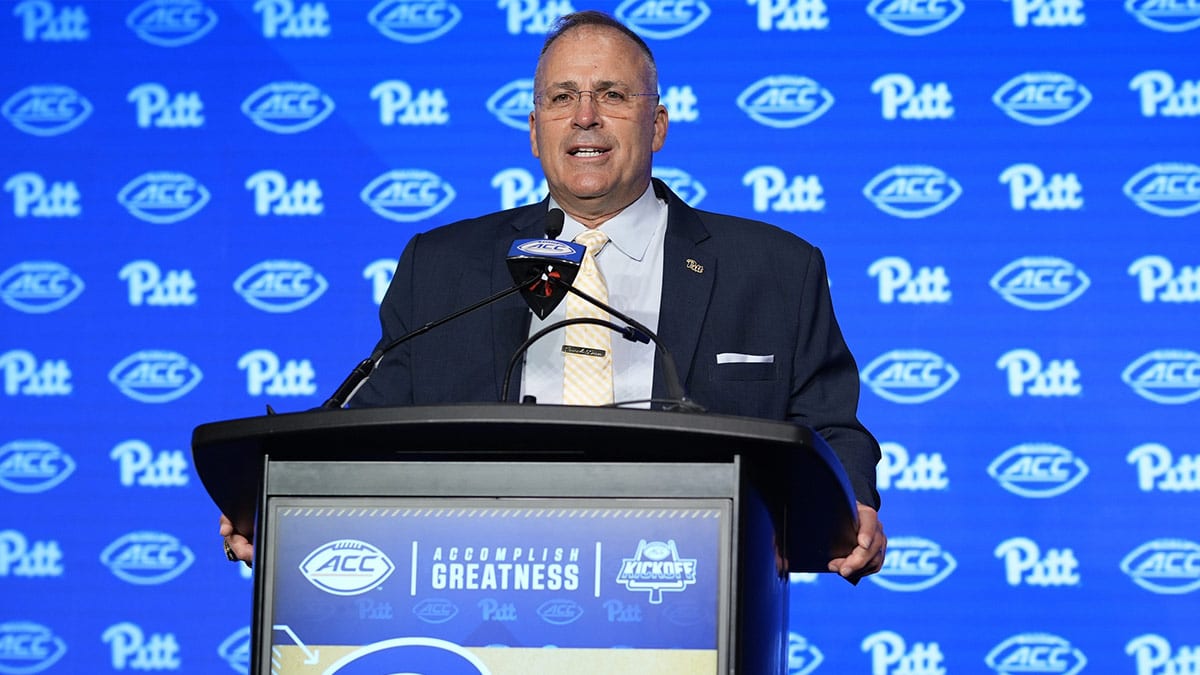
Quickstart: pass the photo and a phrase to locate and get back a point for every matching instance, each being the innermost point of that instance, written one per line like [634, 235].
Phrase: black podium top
[797, 463]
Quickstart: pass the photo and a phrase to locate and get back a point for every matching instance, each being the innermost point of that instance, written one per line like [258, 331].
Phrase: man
[743, 306]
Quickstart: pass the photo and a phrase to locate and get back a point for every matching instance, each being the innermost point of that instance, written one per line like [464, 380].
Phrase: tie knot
[594, 240]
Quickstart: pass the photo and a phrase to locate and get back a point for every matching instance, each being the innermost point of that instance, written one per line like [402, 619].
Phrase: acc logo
[803, 657]
[1167, 17]
[39, 286]
[280, 286]
[689, 189]
[1169, 189]
[346, 567]
[235, 650]
[909, 376]
[1170, 376]
[785, 101]
[656, 567]
[1164, 566]
[560, 612]
[155, 376]
[908, 18]
[1040, 282]
[414, 22]
[29, 466]
[287, 107]
[408, 195]
[1042, 99]
[1035, 653]
[171, 23]
[46, 109]
[914, 564]
[912, 191]
[147, 558]
[1037, 470]
[28, 647]
[409, 655]
[660, 20]
[549, 247]
[435, 610]
[512, 103]
[163, 197]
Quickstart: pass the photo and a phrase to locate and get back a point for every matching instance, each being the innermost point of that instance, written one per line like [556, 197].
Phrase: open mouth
[587, 152]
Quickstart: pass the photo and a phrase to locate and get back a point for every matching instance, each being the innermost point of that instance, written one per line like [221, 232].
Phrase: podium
[506, 538]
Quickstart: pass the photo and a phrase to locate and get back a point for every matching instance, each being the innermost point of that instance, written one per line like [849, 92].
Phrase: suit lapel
[689, 270]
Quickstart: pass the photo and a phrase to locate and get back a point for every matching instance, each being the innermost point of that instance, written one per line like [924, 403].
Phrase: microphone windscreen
[554, 223]
[533, 262]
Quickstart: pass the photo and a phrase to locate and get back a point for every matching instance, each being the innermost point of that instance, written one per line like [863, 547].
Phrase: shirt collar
[631, 230]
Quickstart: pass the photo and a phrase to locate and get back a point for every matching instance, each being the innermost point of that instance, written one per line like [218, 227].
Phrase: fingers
[868, 555]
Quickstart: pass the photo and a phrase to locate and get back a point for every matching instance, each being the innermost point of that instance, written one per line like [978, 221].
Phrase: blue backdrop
[203, 202]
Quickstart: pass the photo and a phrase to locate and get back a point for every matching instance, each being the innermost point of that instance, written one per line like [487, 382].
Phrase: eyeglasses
[610, 100]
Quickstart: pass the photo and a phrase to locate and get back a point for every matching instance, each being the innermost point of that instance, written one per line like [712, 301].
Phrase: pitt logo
[28, 647]
[171, 23]
[1042, 98]
[663, 19]
[656, 567]
[1029, 189]
[1035, 653]
[785, 101]
[681, 183]
[408, 195]
[512, 103]
[1170, 16]
[32, 197]
[803, 657]
[528, 16]
[899, 470]
[39, 22]
[518, 187]
[163, 197]
[138, 464]
[1152, 654]
[273, 197]
[1157, 469]
[1024, 563]
[791, 15]
[680, 102]
[915, 17]
[909, 376]
[346, 567]
[282, 18]
[774, 192]
[398, 105]
[891, 655]
[29, 466]
[147, 558]
[24, 377]
[1159, 95]
[1047, 14]
[1037, 470]
[155, 376]
[131, 648]
[1040, 283]
[899, 97]
[158, 107]
[414, 22]
[264, 375]
[912, 191]
[435, 610]
[280, 286]
[380, 273]
[20, 559]
[1028, 375]
[1169, 189]
[1159, 281]
[914, 564]
[287, 107]
[1165, 566]
[899, 283]
[149, 286]
[39, 286]
[1169, 376]
[46, 109]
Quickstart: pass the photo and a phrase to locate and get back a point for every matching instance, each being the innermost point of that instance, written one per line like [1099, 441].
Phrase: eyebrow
[602, 84]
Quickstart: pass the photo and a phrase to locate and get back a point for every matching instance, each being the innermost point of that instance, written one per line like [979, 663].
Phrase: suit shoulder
[728, 229]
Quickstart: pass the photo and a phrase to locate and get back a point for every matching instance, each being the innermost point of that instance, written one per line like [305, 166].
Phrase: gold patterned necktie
[587, 348]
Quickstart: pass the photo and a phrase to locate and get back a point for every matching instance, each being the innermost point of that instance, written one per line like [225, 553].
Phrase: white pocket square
[732, 357]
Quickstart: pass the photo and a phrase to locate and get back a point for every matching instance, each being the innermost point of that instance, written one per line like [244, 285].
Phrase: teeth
[588, 152]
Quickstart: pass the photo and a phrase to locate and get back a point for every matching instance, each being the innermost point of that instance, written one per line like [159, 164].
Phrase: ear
[660, 127]
[533, 146]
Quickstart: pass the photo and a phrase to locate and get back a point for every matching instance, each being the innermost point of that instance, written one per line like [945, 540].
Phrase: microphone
[533, 271]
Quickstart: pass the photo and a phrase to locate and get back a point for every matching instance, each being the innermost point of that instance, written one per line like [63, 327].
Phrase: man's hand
[871, 545]
[236, 542]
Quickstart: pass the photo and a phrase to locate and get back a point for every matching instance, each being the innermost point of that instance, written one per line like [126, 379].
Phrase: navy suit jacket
[730, 286]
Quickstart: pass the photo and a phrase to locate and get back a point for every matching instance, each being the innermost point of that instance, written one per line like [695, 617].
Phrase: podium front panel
[489, 586]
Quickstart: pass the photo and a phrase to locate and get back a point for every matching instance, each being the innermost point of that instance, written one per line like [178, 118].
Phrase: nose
[585, 111]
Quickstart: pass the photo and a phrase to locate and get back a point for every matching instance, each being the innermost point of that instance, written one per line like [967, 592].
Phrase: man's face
[597, 160]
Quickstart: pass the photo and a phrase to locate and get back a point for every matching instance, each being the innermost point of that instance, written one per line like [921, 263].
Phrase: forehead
[592, 53]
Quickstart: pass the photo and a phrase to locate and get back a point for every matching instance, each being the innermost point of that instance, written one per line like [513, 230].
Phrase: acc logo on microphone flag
[39, 286]
[29, 647]
[347, 567]
[546, 247]
[46, 109]
[155, 376]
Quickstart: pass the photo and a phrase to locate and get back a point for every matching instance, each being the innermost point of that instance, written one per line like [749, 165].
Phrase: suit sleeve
[391, 382]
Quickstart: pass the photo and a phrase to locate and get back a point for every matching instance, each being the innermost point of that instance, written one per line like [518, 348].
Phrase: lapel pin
[695, 266]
